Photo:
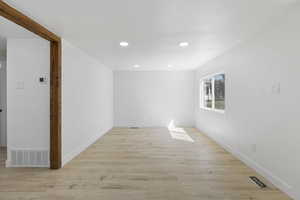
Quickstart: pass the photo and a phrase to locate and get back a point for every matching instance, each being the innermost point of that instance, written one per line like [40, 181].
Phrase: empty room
[154, 100]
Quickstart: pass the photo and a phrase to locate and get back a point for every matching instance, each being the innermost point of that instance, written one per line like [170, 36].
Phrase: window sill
[213, 110]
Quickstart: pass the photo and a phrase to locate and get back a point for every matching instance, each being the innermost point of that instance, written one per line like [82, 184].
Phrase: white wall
[87, 97]
[28, 104]
[153, 98]
[87, 101]
[3, 101]
[261, 125]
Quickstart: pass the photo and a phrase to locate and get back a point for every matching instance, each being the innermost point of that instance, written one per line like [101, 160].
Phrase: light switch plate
[276, 89]
[20, 85]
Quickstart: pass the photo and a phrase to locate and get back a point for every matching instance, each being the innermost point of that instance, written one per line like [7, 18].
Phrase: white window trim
[212, 77]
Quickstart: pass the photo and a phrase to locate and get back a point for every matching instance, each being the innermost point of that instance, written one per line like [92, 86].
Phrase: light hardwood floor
[138, 164]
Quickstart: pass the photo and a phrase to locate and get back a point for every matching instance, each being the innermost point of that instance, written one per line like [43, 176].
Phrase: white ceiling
[11, 30]
[154, 28]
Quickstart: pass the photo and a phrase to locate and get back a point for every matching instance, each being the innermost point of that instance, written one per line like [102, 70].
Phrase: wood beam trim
[55, 105]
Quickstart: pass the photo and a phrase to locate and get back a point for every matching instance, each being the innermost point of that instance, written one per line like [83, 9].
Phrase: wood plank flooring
[142, 164]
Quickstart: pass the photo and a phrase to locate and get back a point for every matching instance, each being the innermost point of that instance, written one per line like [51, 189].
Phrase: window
[212, 92]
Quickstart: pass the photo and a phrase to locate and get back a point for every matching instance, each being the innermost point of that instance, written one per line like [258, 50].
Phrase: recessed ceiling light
[170, 65]
[124, 44]
[136, 66]
[183, 44]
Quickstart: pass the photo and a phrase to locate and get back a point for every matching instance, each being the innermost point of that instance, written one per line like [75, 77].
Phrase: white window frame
[201, 98]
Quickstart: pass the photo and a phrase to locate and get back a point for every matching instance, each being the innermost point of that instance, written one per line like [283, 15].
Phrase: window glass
[212, 92]
[207, 94]
[219, 91]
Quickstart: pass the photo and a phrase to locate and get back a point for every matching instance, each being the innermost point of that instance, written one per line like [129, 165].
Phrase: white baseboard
[276, 181]
[81, 148]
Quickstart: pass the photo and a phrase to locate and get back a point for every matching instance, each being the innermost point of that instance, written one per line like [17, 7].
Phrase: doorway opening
[54, 81]
[3, 149]
[24, 97]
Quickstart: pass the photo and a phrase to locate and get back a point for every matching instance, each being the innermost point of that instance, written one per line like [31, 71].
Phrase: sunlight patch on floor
[178, 133]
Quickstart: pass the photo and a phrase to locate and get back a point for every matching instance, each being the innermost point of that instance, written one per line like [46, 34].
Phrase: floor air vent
[29, 158]
[134, 127]
[258, 182]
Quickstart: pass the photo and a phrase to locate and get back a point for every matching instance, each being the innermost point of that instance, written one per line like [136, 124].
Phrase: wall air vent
[29, 158]
[134, 127]
[258, 182]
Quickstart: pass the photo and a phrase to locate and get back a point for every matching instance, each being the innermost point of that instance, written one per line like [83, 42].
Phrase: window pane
[220, 92]
[207, 93]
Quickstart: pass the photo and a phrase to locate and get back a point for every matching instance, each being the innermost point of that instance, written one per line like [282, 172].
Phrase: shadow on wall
[178, 133]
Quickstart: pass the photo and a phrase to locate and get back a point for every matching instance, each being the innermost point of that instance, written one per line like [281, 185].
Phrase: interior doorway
[55, 45]
[24, 97]
[3, 149]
